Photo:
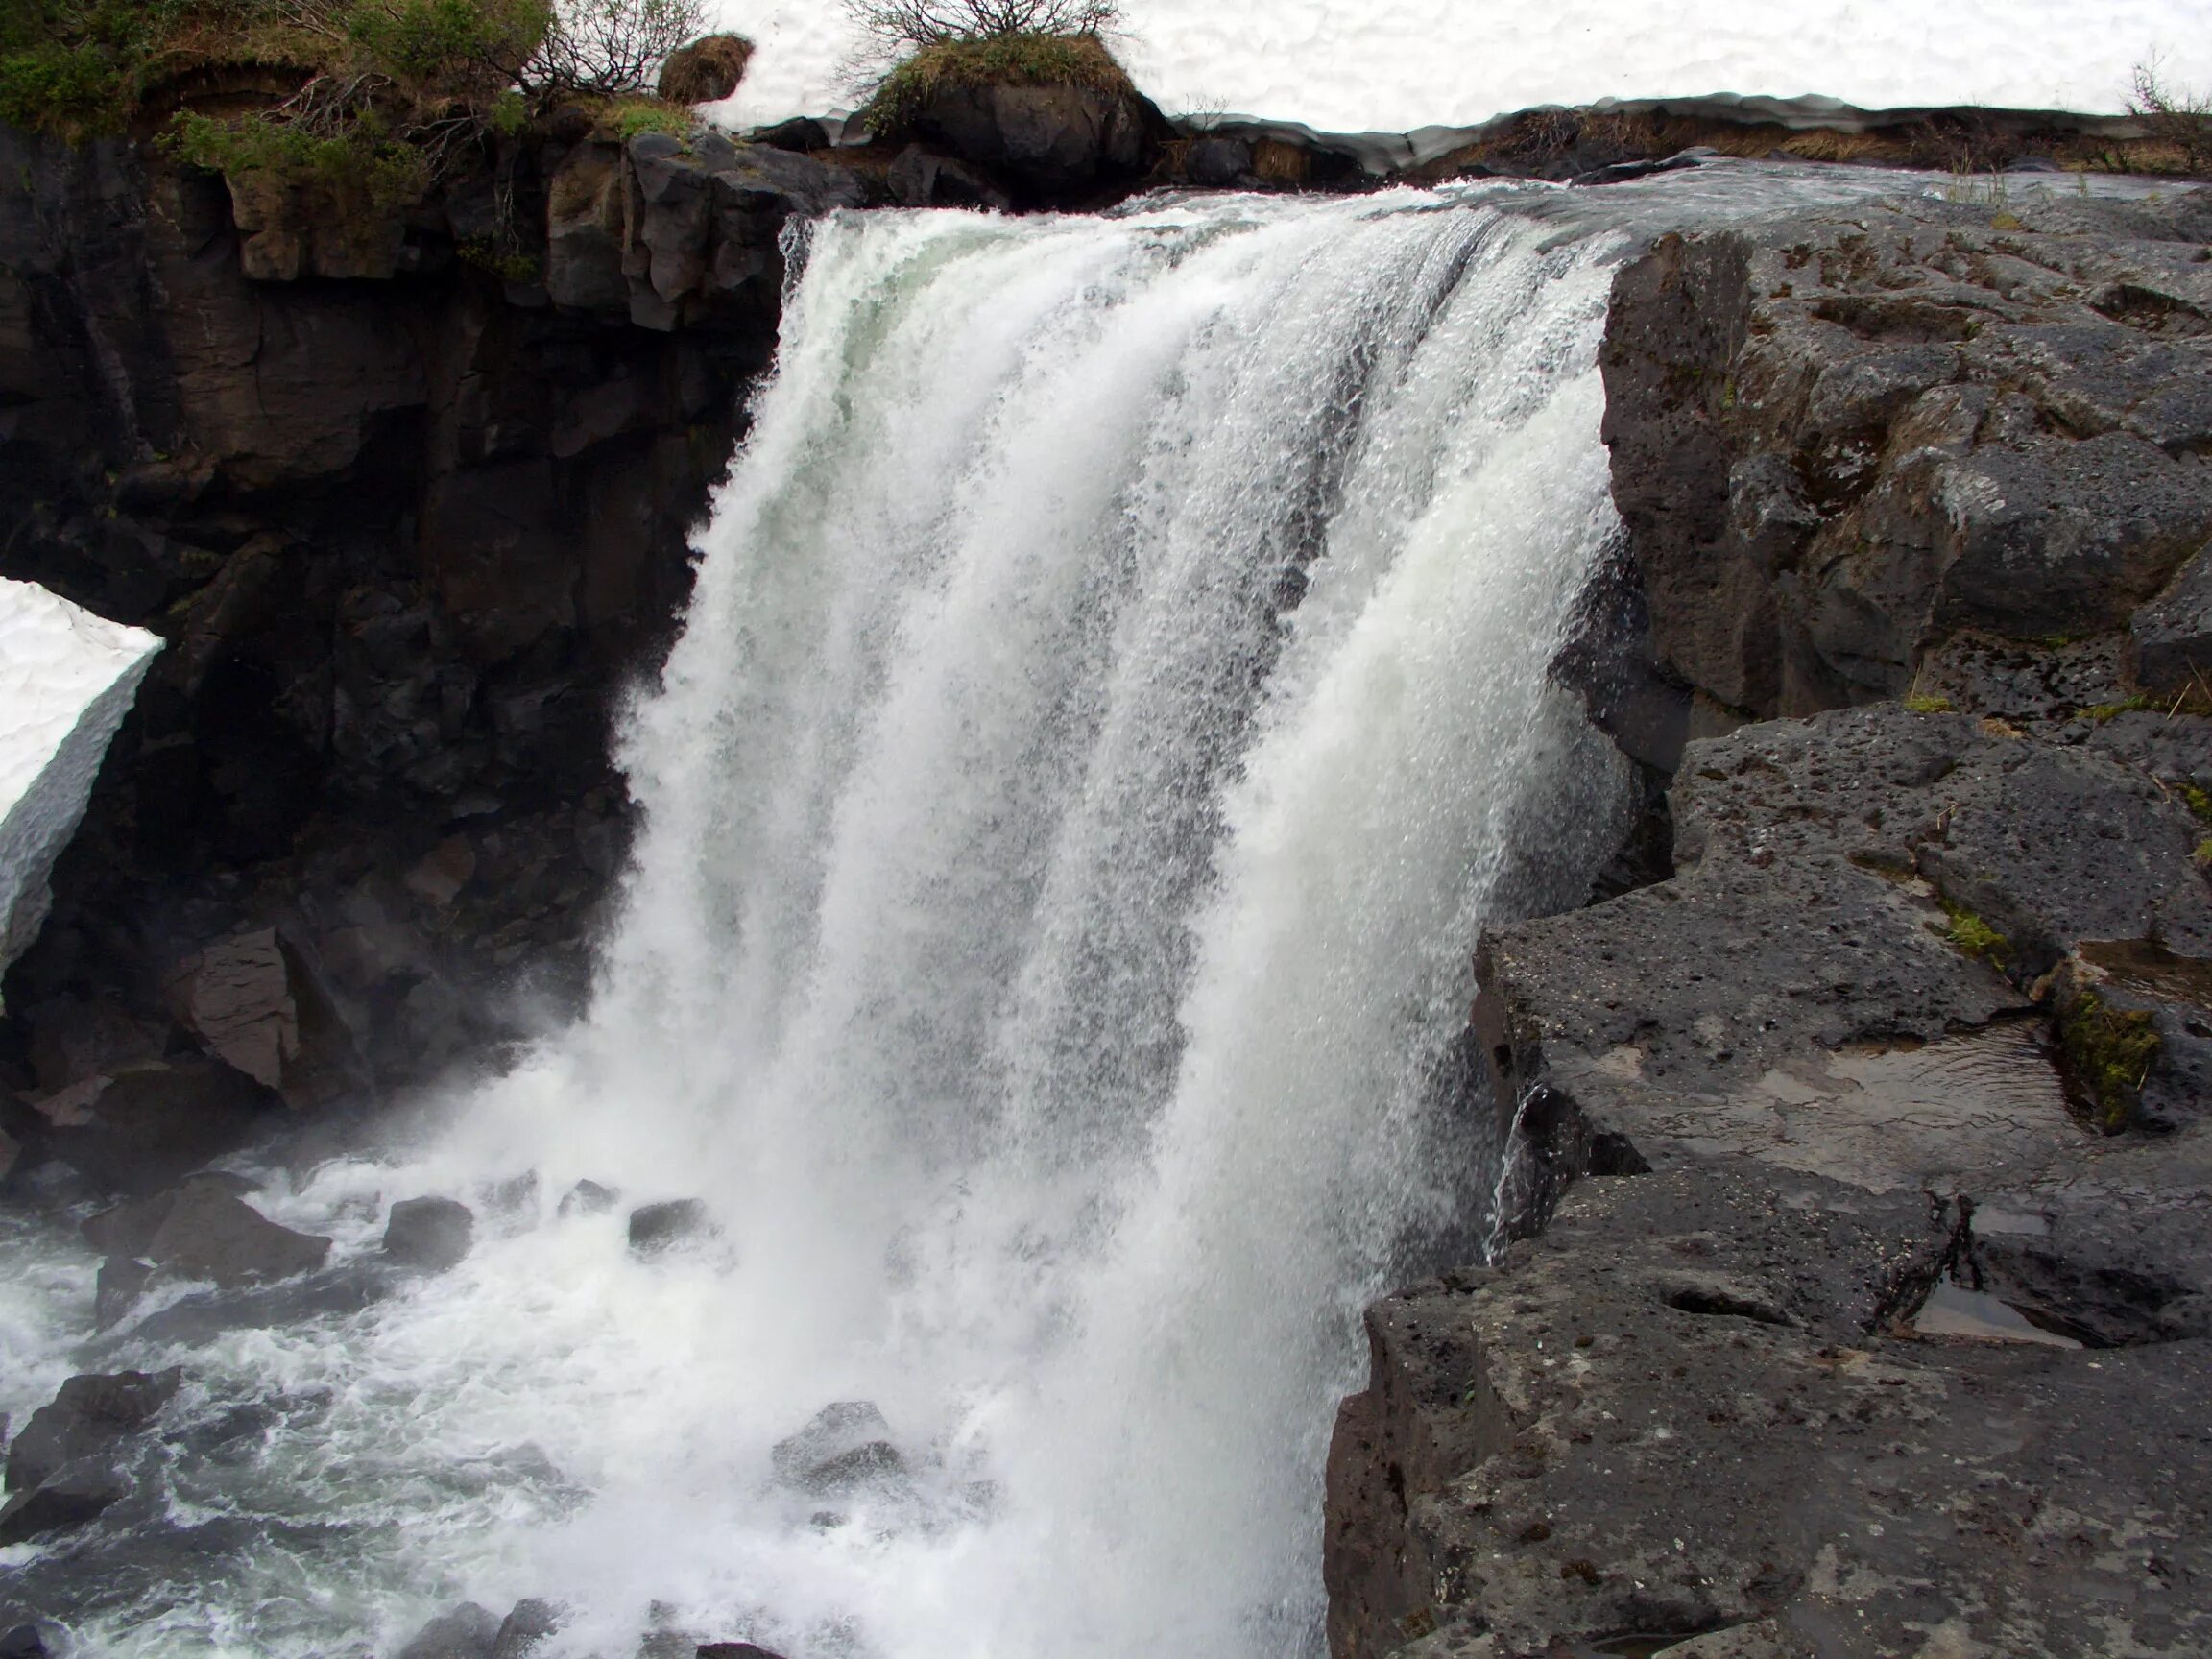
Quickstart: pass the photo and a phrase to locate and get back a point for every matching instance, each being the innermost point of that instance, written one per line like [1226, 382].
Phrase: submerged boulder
[91, 1416]
[846, 1449]
[529, 1623]
[467, 1632]
[588, 1199]
[655, 1229]
[204, 1230]
[432, 1234]
[79, 1493]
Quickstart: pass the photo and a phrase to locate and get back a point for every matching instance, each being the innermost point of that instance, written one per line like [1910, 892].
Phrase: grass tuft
[1971, 936]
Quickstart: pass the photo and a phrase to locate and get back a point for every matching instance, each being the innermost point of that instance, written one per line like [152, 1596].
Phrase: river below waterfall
[1113, 700]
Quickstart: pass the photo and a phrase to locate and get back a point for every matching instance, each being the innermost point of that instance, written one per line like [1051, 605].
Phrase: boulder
[236, 997]
[467, 1632]
[90, 1418]
[1055, 143]
[204, 1230]
[146, 1127]
[705, 71]
[846, 1449]
[67, 1500]
[430, 1234]
[733, 1651]
[75, 1038]
[526, 1626]
[589, 1198]
[673, 1224]
[2173, 634]
[802, 134]
[1217, 163]
[919, 177]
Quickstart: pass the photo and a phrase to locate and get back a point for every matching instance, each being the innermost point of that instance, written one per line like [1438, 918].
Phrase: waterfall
[1113, 700]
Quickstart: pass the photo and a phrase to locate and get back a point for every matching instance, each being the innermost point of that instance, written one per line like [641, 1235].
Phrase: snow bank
[1367, 65]
[66, 679]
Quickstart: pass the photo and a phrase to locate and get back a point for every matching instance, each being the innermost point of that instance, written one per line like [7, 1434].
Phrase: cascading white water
[1113, 698]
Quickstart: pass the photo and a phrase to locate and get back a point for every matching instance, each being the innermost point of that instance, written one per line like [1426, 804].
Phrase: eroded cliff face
[1865, 1301]
[409, 526]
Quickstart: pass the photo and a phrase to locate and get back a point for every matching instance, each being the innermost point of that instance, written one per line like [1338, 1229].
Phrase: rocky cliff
[1868, 1302]
[410, 503]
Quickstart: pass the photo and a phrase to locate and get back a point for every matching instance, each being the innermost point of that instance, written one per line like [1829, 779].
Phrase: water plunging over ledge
[1113, 700]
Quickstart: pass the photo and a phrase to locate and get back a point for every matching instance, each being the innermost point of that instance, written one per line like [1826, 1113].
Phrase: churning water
[1114, 699]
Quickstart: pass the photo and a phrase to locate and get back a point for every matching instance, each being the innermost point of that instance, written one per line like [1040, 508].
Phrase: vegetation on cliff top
[938, 45]
[367, 97]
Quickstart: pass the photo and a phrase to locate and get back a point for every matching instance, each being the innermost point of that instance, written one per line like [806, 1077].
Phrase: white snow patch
[1364, 66]
[66, 679]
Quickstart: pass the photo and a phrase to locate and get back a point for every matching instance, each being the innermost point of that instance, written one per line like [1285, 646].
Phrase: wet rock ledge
[1863, 1298]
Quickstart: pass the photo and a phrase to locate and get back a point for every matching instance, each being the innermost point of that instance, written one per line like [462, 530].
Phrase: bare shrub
[897, 25]
[612, 48]
[2175, 115]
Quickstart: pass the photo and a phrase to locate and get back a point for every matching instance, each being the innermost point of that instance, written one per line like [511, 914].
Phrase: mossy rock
[2108, 1053]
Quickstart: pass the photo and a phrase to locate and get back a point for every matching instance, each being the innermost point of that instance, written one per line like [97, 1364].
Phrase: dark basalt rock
[1838, 438]
[800, 134]
[1217, 163]
[467, 1632]
[1624, 1462]
[404, 540]
[674, 1224]
[203, 1230]
[429, 1234]
[732, 1650]
[1053, 144]
[2171, 635]
[87, 1421]
[65, 1499]
[526, 1626]
[589, 1198]
[922, 178]
[845, 1450]
[144, 1128]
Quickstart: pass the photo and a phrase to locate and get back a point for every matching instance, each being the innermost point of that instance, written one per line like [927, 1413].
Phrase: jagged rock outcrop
[1840, 440]
[1864, 1287]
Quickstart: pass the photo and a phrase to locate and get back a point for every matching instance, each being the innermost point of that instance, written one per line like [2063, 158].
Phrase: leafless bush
[899, 25]
[612, 47]
[2174, 114]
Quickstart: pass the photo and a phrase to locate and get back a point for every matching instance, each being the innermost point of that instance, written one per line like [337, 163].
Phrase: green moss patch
[1971, 936]
[2109, 1052]
[1015, 59]
[1928, 704]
